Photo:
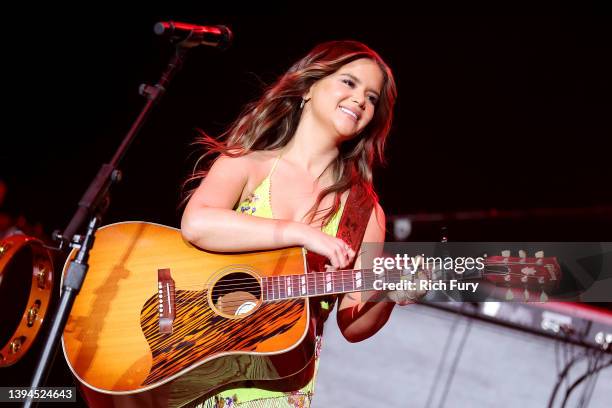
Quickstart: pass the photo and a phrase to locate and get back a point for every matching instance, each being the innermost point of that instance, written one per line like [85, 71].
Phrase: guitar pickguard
[198, 333]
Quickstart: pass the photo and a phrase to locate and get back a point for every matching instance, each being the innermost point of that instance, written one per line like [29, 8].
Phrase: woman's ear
[306, 98]
[308, 95]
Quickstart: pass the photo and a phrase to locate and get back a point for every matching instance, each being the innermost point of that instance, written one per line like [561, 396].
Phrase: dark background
[494, 113]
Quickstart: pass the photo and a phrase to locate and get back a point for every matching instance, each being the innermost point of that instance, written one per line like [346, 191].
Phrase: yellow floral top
[258, 204]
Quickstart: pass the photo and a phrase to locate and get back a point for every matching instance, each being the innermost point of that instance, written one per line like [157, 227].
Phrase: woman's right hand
[339, 253]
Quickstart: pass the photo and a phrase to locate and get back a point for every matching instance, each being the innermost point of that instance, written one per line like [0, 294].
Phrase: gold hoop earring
[304, 100]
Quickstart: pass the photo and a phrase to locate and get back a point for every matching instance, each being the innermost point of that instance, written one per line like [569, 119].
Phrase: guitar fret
[369, 280]
[264, 294]
[329, 284]
[281, 292]
[273, 291]
[275, 286]
[288, 286]
[326, 282]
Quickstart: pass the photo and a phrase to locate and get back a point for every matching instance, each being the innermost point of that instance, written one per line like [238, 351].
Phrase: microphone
[191, 35]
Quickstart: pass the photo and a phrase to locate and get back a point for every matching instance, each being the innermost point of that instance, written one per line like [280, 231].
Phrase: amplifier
[574, 322]
[470, 355]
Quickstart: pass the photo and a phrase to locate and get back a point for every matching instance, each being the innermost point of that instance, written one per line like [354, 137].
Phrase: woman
[283, 176]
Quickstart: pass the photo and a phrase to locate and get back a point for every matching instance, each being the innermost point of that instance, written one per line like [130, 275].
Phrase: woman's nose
[359, 100]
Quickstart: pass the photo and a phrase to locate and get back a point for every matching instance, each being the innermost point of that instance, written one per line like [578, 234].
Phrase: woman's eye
[373, 99]
[349, 82]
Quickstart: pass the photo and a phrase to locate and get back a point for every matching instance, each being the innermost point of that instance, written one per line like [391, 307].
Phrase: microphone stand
[93, 205]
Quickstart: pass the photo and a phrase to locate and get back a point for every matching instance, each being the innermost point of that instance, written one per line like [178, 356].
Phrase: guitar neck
[539, 273]
[331, 283]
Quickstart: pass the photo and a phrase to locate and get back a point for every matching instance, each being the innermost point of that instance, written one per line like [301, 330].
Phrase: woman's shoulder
[251, 167]
[251, 160]
[249, 163]
[261, 157]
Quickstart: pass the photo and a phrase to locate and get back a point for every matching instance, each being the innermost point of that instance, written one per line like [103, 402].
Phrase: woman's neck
[311, 148]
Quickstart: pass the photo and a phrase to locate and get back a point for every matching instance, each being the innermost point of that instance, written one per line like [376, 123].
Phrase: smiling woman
[300, 161]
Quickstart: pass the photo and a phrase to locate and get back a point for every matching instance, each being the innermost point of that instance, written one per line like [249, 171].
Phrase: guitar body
[163, 322]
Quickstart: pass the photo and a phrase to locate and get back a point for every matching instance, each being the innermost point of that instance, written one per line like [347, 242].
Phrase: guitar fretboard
[317, 283]
[326, 283]
[507, 271]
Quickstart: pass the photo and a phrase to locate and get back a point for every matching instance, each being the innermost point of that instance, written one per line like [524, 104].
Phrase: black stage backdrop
[494, 113]
[499, 113]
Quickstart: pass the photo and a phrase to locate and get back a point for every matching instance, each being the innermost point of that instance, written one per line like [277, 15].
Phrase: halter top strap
[274, 165]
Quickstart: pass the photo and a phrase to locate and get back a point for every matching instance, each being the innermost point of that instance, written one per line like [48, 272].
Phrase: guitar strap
[355, 217]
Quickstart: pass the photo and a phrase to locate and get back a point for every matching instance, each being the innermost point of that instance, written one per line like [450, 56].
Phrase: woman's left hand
[406, 296]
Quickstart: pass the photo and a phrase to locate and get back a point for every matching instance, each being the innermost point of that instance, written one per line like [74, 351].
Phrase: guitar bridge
[166, 296]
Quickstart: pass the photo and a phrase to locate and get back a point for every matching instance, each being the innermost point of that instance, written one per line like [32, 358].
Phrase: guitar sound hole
[236, 294]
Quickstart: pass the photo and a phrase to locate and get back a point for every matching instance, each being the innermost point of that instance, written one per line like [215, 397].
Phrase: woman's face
[346, 100]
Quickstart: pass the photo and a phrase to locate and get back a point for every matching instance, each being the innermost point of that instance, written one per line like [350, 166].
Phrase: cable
[562, 376]
[455, 362]
[589, 387]
[442, 359]
[581, 379]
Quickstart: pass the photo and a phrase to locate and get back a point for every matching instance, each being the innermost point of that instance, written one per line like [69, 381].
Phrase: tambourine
[26, 286]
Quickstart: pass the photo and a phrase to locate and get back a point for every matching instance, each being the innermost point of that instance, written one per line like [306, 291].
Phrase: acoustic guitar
[160, 320]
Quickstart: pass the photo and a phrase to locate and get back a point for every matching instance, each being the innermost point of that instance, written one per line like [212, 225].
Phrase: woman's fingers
[406, 297]
[338, 252]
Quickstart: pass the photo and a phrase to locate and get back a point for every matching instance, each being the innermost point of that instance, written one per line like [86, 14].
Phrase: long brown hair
[270, 122]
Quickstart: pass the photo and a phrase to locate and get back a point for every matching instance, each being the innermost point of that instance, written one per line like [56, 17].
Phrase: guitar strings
[338, 274]
[339, 278]
[343, 282]
[340, 271]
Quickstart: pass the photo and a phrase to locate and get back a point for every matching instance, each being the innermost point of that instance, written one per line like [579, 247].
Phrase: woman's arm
[210, 223]
[361, 314]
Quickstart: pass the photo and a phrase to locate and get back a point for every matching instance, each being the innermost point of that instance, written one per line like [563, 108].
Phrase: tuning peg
[509, 294]
[522, 255]
[505, 253]
[539, 255]
[543, 297]
[526, 294]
